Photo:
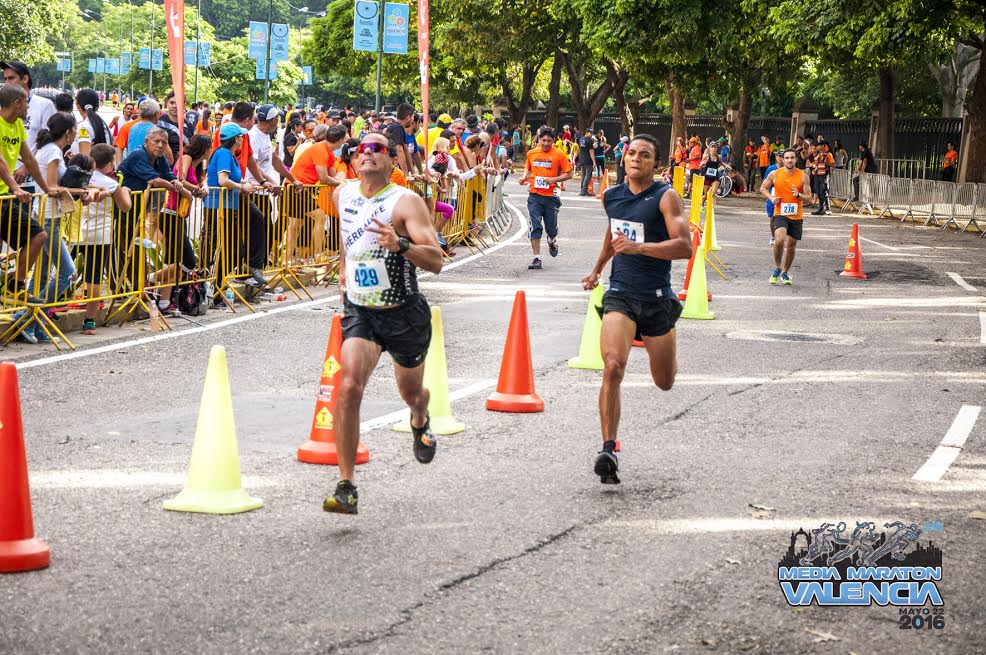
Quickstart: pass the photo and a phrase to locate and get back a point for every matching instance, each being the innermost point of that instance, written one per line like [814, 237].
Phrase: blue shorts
[543, 210]
[770, 209]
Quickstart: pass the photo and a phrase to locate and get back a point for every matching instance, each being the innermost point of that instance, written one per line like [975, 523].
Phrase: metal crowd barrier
[945, 205]
[59, 254]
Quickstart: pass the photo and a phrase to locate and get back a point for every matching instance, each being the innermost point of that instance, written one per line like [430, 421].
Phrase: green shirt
[12, 135]
[358, 126]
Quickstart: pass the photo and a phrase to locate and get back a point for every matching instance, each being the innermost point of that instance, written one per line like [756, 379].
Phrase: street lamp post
[131, 48]
[270, 10]
[150, 72]
[198, 40]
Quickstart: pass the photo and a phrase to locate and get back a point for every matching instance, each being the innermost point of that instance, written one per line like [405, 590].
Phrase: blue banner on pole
[125, 59]
[205, 54]
[395, 18]
[100, 65]
[365, 25]
[262, 71]
[307, 70]
[92, 66]
[190, 53]
[279, 42]
[64, 66]
[113, 66]
[157, 59]
[145, 59]
[257, 42]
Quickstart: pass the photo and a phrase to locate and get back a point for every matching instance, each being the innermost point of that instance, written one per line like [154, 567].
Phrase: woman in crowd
[91, 129]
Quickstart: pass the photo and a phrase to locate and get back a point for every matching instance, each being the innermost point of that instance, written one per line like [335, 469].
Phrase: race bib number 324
[631, 230]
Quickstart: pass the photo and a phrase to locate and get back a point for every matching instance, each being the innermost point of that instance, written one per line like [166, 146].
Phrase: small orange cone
[603, 185]
[515, 387]
[638, 343]
[321, 445]
[20, 550]
[696, 240]
[854, 258]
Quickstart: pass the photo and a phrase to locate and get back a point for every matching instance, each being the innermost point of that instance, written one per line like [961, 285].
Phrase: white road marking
[719, 524]
[877, 243]
[88, 352]
[937, 465]
[393, 417]
[816, 377]
[959, 281]
[121, 479]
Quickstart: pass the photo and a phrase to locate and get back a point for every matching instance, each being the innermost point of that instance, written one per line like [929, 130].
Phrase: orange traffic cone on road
[515, 386]
[20, 550]
[603, 185]
[696, 241]
[854, 258]
[638, 343]
[321, 445]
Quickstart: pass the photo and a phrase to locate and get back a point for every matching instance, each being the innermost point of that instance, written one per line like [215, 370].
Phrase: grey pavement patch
[800, 337]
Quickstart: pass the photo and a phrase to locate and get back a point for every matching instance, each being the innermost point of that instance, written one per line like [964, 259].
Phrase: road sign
[257, 44]
[365, 28]
[307, 70]
[63, 66]
[190, 53]
[100, 65]
[395, 18]
[125, 59]
[279, 42]
[113, 66]
[157, 59]
[145, 59]
[92, 66]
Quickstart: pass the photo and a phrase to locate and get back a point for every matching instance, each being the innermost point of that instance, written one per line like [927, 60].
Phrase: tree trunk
[677, 100]
[737, 129]
[954, 78]
[975, 144]
[619, 77]
[518, 108]
[586, 106]
[554, 91]
[886, 118]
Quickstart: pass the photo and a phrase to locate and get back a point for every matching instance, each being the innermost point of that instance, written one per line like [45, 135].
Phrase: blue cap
[230, 130]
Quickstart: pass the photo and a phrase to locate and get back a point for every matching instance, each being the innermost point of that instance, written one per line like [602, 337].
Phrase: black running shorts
[653, 319]
[793, 227]
[404, 331]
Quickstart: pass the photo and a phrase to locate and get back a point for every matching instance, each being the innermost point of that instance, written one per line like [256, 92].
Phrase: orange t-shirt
[791, 203]
[695, 157]
[318, 154]
[541, 164]
[950, 158]
[397, 176]
[121, 137]
[763, 152]
[346, 170]
[679, 155]
[204, 130]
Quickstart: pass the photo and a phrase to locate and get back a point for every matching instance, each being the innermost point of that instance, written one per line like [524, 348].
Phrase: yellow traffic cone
[710, 223]
[213, 485]
[698, 192]
[697, 302]
[436, 381]
[678, 180]
[590, 352]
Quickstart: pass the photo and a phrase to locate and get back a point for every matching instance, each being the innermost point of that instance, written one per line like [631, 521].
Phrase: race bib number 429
[368, 275]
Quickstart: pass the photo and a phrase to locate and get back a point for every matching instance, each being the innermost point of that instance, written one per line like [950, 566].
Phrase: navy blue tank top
[639, 218]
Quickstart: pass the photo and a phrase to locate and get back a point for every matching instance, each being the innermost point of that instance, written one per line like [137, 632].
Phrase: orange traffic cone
[515, 387]
[854, 258]
[20, 550]
[638, 343]
[321, 445]
[696, 240]
[603, 185]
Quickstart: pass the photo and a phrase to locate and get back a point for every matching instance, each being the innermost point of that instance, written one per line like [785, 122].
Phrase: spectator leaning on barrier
[867, 164]
[949, 162]
[17, 228]
[169, 121]
[91, 129]
[840, 154]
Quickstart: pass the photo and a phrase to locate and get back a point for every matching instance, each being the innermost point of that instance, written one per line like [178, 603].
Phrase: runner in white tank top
[386, 233]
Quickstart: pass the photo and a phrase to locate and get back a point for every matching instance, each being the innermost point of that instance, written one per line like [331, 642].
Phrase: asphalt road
[819, 401]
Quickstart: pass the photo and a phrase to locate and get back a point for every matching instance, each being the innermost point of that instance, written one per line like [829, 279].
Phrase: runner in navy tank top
[645, 230]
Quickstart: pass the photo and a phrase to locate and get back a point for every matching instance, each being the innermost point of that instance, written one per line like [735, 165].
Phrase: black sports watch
[403, 245]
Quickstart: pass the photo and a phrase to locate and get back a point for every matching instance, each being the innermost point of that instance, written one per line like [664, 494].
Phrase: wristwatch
[403, 245]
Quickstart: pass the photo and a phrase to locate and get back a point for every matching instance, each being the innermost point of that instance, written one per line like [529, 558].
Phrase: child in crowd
[97, 227]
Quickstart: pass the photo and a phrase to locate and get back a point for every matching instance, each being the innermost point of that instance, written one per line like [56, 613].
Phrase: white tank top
[375, 277]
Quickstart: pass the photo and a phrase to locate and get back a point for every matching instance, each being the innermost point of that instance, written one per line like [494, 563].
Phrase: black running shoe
[535, 265]
[552, 247]
[424, 442]
[344, 500]
[607, 467]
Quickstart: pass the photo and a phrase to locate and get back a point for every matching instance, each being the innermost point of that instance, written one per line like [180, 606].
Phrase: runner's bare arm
[412, 214]
[341, 272]
[767, 185]
[678, 244]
